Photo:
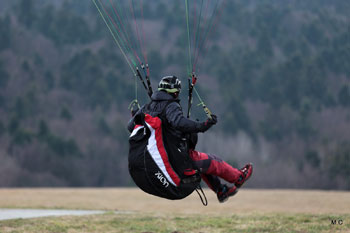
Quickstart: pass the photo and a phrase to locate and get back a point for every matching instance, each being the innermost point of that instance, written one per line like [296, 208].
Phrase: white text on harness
[162, 179]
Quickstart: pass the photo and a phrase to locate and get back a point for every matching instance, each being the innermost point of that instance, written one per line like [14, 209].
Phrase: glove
[204, 126]
[213, 120]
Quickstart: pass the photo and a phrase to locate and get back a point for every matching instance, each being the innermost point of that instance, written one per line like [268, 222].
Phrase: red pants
[212, 167]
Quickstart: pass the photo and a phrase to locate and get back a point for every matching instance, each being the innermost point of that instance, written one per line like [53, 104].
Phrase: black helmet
[170, 84]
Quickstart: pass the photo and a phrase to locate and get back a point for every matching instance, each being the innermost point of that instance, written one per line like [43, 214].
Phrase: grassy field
[248, 211]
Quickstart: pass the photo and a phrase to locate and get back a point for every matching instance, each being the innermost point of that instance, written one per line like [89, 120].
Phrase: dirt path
[125, 199]
[6, 214]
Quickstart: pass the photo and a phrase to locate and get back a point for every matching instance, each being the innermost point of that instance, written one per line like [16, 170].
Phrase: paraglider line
[115, 39]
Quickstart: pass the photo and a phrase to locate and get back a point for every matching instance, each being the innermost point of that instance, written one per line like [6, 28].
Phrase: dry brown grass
[132, 199]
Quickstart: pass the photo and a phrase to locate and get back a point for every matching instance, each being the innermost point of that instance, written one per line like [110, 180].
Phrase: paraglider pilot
[166, 104]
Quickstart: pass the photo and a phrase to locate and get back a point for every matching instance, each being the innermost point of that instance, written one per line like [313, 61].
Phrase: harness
[159, 162]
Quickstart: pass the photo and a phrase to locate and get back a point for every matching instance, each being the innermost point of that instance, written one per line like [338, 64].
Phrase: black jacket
[168, 108]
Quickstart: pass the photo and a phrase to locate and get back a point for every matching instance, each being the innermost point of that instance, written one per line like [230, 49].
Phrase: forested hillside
[277, 74]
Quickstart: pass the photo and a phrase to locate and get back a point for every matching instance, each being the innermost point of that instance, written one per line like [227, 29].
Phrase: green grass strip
[141, 222]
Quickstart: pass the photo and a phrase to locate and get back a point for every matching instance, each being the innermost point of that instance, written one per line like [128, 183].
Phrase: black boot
[225, 192]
